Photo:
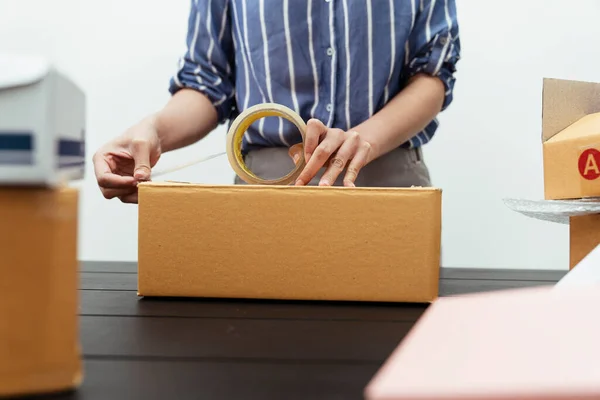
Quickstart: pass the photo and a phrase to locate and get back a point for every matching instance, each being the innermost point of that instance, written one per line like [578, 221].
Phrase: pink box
[540, 343]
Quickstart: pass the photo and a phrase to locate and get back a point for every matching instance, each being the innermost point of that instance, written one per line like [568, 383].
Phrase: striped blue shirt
[339, 61]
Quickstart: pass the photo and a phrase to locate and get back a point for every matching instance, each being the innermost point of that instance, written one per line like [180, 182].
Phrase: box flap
[566, 101]
[585, 131]
[21, 70]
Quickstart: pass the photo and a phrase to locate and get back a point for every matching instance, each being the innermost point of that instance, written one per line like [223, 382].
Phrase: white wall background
[122, 53]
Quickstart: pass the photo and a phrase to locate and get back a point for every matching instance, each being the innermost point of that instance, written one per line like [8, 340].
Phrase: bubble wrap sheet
[557, 211]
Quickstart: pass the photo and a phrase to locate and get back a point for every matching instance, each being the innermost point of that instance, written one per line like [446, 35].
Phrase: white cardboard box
[528, 344]
[42, 124]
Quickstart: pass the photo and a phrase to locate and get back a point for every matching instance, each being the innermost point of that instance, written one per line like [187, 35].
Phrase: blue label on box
[71, 153]
[16, 148]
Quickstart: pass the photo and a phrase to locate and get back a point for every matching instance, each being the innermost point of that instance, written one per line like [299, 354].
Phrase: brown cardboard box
[39, 348]
[571, 150]
[286, 242]
[571, 139]
[584, 236]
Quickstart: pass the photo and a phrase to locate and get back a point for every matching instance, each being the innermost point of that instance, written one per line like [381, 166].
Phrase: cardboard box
[42, 124]
[571, 139]
[286, 242]
[39, 338]
[583, 218]
[571, 155]
[534, 343]
[584, 236]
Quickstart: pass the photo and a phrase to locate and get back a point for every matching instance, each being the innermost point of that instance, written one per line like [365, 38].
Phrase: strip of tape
[235, 136]
[164, 171]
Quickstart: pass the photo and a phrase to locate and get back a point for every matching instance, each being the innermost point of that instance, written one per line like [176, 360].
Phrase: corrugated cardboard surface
[584, 234]
[286, 242]
[566, 101]
[570, 170]
[39, 347]
[570, 128]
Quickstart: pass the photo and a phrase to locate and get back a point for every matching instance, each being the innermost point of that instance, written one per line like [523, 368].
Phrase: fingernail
[299, 182]
[296, 158]
[324, 182]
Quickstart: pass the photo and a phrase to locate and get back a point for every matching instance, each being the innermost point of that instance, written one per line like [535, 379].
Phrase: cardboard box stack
[540, 343]
[42, 115]
[287, 242]
[571, 158]
[571, 148]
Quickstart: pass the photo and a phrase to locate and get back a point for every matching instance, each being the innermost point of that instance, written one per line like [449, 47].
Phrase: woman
[370, 80]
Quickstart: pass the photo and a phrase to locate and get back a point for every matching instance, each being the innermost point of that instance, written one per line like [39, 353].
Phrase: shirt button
[330, 51]
[329, 107]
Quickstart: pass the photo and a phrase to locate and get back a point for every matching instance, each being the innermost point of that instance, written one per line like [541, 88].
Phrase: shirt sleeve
[207, 63]
[434, 44]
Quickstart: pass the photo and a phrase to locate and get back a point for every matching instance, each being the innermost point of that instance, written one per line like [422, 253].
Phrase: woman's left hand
[334, 149]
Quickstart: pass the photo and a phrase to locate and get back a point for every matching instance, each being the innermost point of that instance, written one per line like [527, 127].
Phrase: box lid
[21, 70]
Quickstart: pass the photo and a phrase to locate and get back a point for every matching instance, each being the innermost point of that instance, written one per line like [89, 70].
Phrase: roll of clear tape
[235, 136]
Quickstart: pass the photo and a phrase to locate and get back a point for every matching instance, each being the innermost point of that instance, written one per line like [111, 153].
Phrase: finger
[140, 150]
[333, 140]
[130, 198]
[357, 163]
[113, 181]
[100, 165]
[340, 159]
[295, 152]
[106, 178]
[315, 129]
[112, 193]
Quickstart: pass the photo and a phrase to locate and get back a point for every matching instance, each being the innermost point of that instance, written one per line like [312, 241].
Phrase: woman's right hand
[126, 160]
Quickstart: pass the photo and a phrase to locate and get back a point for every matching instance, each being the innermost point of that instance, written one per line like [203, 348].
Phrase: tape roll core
[239, 127]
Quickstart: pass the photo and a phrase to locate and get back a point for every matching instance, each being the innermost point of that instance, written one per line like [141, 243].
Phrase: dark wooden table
[227, 349]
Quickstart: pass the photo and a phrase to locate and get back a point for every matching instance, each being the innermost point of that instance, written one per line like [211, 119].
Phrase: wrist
[156, 123]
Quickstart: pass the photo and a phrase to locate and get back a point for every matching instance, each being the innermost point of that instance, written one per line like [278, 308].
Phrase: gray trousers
[398, 168]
